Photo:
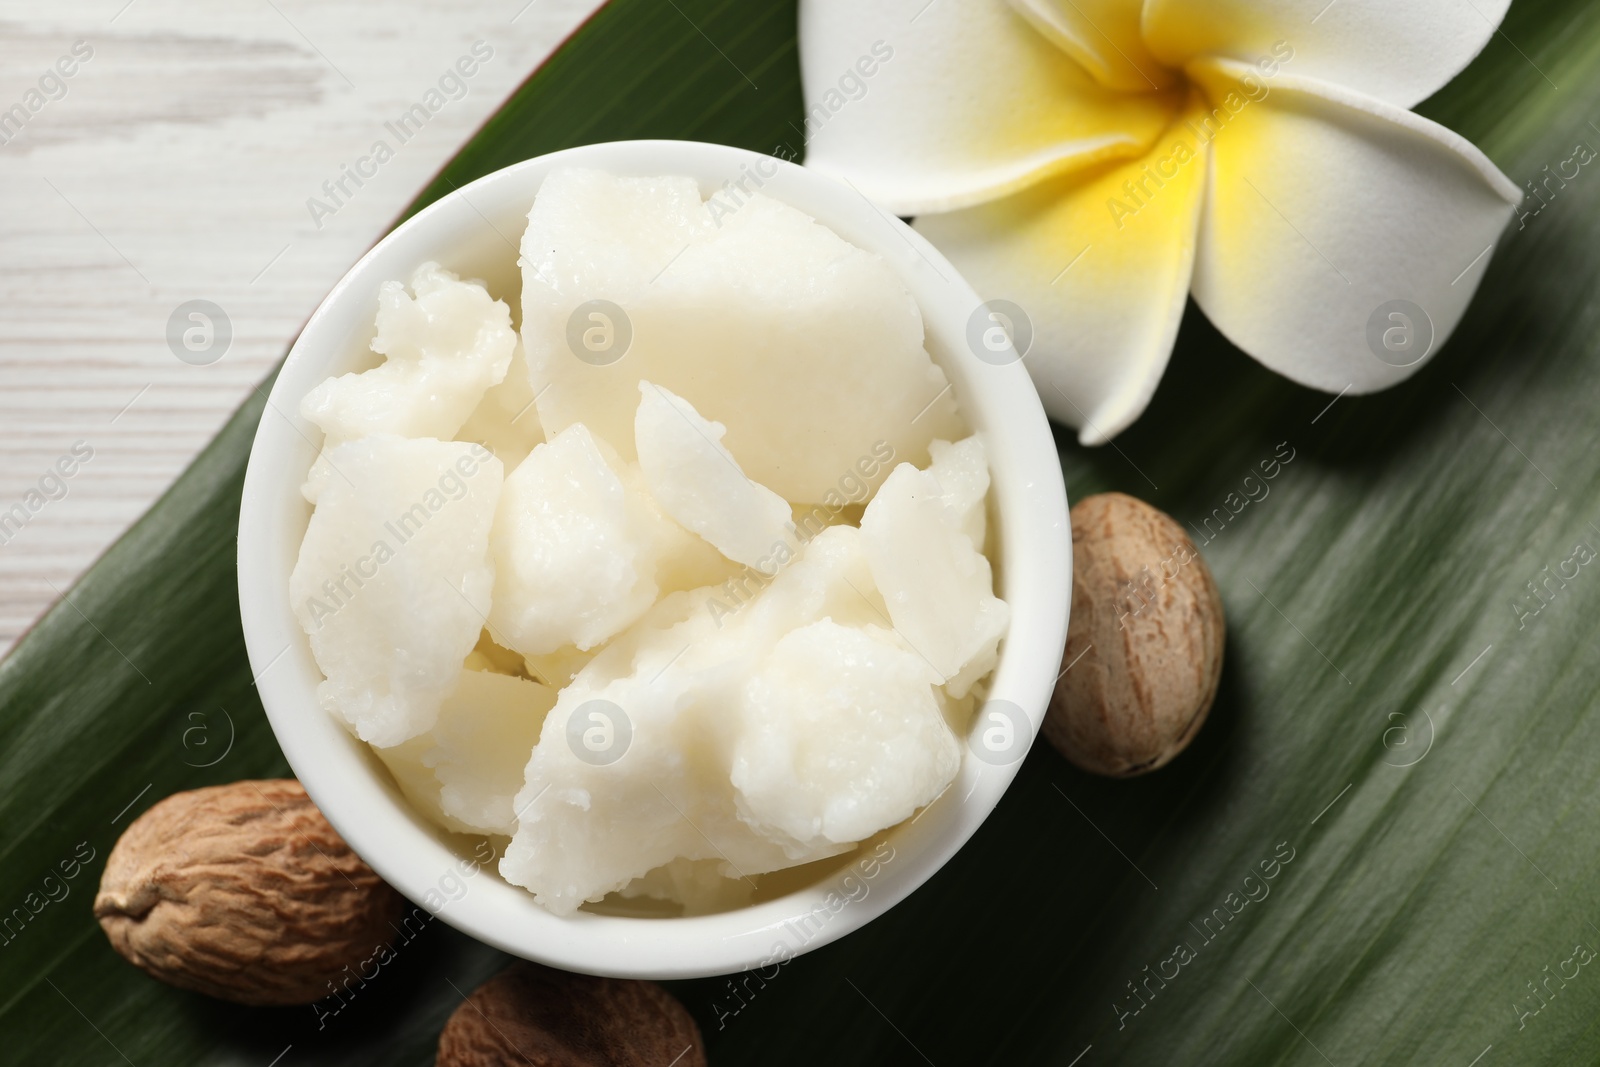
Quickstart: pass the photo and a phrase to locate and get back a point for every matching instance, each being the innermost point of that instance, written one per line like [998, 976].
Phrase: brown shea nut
[533, 1016]
[1145, 641]
[242, 892]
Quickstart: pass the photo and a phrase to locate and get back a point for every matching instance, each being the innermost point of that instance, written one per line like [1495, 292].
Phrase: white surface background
[178, 166]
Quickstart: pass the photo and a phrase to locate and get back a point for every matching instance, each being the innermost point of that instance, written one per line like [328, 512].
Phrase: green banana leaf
[1382, 848]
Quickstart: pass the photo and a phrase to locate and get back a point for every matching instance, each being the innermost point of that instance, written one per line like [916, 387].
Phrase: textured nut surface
[242, 892]
[532, 1016]
[1145, 641]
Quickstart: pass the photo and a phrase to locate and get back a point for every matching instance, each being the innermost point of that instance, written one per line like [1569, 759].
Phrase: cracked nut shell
[242, 892]
[1145, 642]
[533, 1016]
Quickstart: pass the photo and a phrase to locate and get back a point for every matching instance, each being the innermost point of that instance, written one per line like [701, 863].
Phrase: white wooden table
[176, 163]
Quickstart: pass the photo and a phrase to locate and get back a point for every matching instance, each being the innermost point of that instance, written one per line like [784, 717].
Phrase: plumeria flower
[1096, 161]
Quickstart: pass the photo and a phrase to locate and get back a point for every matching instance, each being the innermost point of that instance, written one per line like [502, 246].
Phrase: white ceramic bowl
[475, 231]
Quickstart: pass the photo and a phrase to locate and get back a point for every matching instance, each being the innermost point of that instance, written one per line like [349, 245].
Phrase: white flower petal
[1400, 51]
[1326, 205]
[1100, 262]
[1104, 37]
[953, 104]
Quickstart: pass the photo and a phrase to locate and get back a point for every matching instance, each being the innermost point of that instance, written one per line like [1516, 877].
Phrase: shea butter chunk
[394, 578]
[808, 349]
[828, 579]
[698, 885]
[506, 420]
[579, 547]
[937, 586]
[678, 679]
[631, 769]
[842, 736]
[466, 770]
[699, 482]
[444, 345]
[962, 471]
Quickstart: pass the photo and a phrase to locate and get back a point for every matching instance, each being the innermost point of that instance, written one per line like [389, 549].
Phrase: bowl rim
[1033, 571]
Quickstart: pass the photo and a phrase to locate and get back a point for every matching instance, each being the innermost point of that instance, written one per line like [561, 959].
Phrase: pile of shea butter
[683, 585]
